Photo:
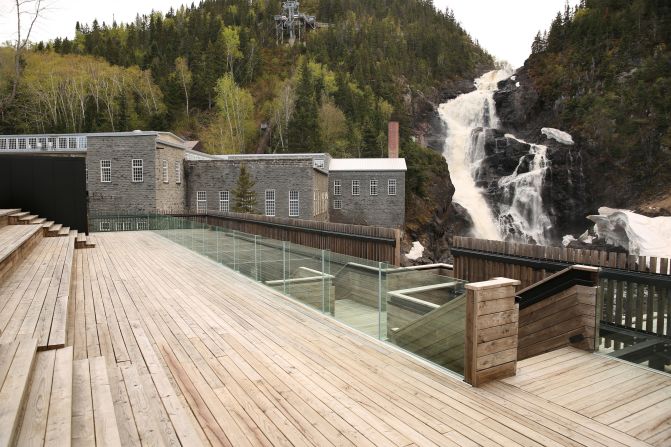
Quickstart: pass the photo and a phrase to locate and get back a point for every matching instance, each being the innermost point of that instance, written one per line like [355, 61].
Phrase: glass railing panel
[358, 296]
[426, 315]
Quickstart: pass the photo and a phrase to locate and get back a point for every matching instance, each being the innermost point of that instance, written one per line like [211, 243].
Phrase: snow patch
[416, 252]
[513, 77]
[639, 235]
[558, 135]
[566, 240]
[517, 84]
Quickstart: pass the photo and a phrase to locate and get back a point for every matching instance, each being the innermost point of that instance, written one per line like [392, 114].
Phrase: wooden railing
[367, 242]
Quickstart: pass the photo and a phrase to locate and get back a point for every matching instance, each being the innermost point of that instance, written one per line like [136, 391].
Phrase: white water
[464, 149]
[521, 215]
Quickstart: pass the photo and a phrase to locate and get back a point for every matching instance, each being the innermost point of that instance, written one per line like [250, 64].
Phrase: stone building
[137, 173]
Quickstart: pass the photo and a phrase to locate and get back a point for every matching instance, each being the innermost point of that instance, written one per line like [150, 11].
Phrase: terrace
[186, 335]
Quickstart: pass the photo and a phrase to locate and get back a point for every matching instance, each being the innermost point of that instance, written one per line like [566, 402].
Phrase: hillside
[603, 74]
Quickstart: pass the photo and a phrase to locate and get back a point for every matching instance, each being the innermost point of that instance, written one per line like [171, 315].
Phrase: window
[138, 170]
[87, 175]
[105, 226]
[270, 202]
[142, 225]
[165, 171]
[337, 189]
[318, 163]
[315, 203]
[356, 187]
[201, 202]
[337, 204]
[123, 225]
[106, 172]
[178, 172]
[373, 187]
[224, 201]
[294, 204]
[391, 187]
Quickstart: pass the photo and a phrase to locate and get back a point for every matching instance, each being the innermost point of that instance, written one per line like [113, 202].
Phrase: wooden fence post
[491, 331]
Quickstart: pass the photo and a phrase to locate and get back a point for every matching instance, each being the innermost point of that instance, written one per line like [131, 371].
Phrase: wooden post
[491, 331]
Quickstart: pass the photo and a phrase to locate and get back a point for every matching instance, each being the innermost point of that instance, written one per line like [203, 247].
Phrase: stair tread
[15, 387]
[38, 221]
[28, 217]
[19, 214]
[55, 228]
[47, 224]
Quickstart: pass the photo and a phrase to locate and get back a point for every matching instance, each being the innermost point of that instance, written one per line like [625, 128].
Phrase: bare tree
[31, 10]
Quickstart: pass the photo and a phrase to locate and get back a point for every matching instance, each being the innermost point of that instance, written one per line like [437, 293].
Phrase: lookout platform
[164, 346]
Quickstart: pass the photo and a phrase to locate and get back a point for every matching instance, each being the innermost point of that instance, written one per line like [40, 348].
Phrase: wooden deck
[166, 347]
[197, 353]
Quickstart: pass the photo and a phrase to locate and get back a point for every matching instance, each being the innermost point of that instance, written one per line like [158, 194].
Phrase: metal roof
[368, 164]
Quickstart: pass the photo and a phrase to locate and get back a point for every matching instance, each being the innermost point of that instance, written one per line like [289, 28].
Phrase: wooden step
[16, 366]
[14, 218]
[16, 242]
[4, 216]
[93, 417]
[25, 220]
[38, 221]
[65, 231]
[46, 226]
[90, 241]
[53, 230]
[81, 241]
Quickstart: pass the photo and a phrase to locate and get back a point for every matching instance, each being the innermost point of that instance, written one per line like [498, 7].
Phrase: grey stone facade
[281, 174]
[365, 209]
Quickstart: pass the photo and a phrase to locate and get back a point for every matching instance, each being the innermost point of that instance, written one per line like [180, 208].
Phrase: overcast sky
[504, 28]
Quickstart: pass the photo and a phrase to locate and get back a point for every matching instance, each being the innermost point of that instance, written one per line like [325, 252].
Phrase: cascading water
[521, 215]
[465, 117]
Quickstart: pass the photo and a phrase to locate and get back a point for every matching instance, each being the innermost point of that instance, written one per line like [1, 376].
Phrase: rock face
[565, 192]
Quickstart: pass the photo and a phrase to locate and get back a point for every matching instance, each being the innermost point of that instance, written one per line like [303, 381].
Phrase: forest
[214, 71]
[604, 70]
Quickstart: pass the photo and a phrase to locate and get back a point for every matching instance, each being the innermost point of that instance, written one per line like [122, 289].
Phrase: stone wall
[282, 175]
[366, 209]
[121, 195]
[170, 195]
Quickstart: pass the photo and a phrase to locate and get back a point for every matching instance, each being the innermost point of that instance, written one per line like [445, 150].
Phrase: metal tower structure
[292, 23]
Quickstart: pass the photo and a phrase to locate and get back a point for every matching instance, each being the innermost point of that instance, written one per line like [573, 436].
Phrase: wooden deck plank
[34, 417]
[83, 427]
[59, 424]
[250, 367]
[106, 431]
[15, 389]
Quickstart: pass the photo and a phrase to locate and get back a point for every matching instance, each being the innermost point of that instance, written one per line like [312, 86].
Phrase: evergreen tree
[244, 194]
[304, 134]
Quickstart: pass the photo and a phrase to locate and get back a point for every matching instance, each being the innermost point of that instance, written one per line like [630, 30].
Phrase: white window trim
[373, 187]
[392, 187]
[105, 226]
[295, 202]
[337, 187]
[137, 163]
[224, 204]
[166, 175]
[201, 202]
[270, 203]
[337, 204]
[102, 171]
[142, 225]
[178, 172]
[357, 184]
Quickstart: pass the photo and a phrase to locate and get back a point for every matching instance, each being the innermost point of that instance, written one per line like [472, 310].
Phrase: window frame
[373, 187]
[105, 225]
[337, 187]
[226, 201]
[295, 202]
[178, 172]
[392, 186]
[337, 204]
[102, 171]
[166, 175]
[201, 201]
[137, 167]
[270, 208]
[356, 184]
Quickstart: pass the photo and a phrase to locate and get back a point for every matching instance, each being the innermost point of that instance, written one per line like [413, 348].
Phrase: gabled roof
[368, 164]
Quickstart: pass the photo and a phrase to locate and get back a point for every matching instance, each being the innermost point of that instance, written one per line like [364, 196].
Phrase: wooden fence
[635, 291]
[367, 242]
[480, 260]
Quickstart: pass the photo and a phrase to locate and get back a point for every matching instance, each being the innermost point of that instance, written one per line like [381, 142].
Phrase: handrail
[562, 280]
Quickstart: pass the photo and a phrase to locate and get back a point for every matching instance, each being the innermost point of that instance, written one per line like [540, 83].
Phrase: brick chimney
[393, 139]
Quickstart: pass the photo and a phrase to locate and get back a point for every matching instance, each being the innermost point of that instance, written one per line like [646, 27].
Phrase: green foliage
[244, 194]
[606, 68]
[422, 162]
[304, 131]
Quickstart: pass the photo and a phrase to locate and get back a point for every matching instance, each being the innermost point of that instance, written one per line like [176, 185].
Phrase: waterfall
[465, 117]
[521, 215]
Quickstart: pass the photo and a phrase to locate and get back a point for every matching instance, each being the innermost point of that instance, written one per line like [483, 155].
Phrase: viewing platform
[166, 346]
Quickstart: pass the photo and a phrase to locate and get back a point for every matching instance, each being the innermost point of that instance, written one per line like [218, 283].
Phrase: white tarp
[557, 135]
[416, 251]
[639, 235]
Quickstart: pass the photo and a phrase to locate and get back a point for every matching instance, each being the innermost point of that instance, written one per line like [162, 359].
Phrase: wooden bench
[16, 241]
[16, 367]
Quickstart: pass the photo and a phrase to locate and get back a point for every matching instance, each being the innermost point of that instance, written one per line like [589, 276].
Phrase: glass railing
[417, 310]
